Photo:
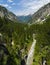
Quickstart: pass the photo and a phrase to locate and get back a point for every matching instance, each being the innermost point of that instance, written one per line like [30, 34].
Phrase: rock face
[7, 14]
[41, 14]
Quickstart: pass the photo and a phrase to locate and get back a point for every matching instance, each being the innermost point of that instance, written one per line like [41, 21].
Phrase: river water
[31, 53]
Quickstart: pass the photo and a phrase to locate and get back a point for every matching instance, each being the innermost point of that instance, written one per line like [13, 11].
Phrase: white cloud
[19, 13]
[10, 0]
[5, 5]
[30, 6]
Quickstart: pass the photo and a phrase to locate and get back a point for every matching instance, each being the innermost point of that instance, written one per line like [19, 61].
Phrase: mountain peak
[48, 4]
[41, 14]
[7, 14]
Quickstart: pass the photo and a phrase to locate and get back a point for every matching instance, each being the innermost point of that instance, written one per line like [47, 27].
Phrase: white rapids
[31, 53]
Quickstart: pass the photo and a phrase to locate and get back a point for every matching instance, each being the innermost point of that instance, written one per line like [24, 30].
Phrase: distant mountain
[7, 14]
[16, 38]
[4, 13]
[38, 16]
[41, 14]
[24, 19]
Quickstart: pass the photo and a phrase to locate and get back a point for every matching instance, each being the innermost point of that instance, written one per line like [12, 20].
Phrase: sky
[23, 7]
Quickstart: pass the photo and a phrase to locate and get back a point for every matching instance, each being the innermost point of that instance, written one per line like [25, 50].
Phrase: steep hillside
[41, 14]
[42, 50]
[7, 14]
[16, 39]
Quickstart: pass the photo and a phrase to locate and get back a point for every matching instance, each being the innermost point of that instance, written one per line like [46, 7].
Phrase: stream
[31, 53]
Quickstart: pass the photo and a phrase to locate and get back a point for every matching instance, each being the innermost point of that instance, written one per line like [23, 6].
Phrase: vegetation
[18, 34]
[42, 49]
[21, 36]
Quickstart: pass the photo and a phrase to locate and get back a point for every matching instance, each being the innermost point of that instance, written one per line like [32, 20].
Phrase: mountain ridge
[38, 16]
[41, 14]
[7, 14]
[18, 38]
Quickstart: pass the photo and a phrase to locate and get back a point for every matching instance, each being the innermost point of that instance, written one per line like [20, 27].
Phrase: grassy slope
[22, 37]
[43, 42]
[18, 32]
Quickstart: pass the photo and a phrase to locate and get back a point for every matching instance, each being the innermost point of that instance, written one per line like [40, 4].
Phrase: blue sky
[23, 7]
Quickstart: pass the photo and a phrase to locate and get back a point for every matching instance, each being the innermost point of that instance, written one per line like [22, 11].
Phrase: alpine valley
[25, 40]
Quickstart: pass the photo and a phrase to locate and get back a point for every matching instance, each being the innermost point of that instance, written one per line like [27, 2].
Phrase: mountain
[7, 14]
[41, 14]
[13, 39]
[24, 19]
[16, 39]
[37, 17]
